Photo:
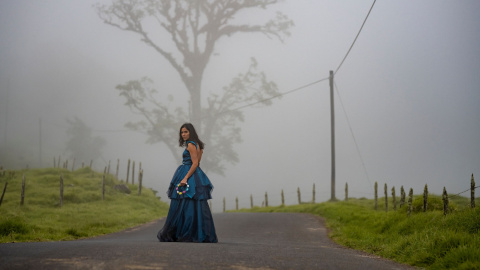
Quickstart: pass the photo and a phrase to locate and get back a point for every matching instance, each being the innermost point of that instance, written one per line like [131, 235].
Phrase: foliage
[194, 28]
[429, 240]
[83, 214]
[81, 144]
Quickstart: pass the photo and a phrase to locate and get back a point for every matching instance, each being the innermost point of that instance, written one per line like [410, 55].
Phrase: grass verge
[84, 213]
[425, 239]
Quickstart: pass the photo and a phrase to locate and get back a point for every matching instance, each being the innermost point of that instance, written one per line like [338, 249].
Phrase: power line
[353, 135]
[276, 96]
[355, 37]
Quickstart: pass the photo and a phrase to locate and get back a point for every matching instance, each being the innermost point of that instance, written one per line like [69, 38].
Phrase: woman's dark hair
[193, 136]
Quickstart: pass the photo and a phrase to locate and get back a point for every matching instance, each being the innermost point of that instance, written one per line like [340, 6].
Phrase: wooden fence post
[128, 170]
[346, 192]
[66, 164]
[266, 199]
[91, 163]
[283, 198]
[224, 204]
[118, 166]
[402, 196]
[472, 193]
[410, 200]
[108, 170]
[236, 203]
[54, 162]
[251, 201]
[376, 195]
[445, 201]
[299, 195]
[83, 164]
[58, 162]
[386, 197]
[313, 193]
[140, 180]
[133, 172]
[61, 190]
[394, 198]
[425, 198]
[22, 199]
[3, 193]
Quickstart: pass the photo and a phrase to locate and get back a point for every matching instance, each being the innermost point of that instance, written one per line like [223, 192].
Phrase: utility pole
[332, 135]
[40, 142]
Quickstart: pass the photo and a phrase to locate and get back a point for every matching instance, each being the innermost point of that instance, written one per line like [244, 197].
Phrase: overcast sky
[410, 88]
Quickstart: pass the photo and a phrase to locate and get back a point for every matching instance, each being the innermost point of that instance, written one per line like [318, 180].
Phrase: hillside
[84, 212]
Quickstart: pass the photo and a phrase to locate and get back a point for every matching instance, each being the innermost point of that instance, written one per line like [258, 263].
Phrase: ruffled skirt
[189, 217]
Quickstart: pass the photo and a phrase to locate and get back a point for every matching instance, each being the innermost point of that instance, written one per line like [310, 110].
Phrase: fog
[410, 90]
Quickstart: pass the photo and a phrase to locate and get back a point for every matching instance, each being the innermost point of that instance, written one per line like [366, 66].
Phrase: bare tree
[194, 28]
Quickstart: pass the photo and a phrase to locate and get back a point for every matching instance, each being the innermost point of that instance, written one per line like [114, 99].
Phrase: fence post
[108, 170]
[376, 195]
[236, 203]
[425, 198]
[140, 180]
[22, 199]
[472, 193]
[299, 195]
[83, 164]
[3, 193]
[224, 204]
[251, 201]
[386, 197]
[410, 200]
[402, 196]
[118, 166]
[445, 201]
[313, 195]
[91, 163]
[61, 190]
[54, 162]
[394, 199]
[283, 198]
[266, 199]
[128, 170]
[58, 162]
[346, 192]
[133, 172]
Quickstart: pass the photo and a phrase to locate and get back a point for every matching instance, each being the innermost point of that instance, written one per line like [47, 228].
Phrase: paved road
[246, 241]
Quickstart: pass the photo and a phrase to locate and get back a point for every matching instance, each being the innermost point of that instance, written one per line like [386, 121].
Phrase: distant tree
[81, 145]
[194, 28]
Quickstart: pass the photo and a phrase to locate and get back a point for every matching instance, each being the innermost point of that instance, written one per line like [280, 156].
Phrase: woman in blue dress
[189, 218]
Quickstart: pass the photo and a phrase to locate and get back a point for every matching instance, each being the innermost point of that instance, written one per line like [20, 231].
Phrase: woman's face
[185, 134]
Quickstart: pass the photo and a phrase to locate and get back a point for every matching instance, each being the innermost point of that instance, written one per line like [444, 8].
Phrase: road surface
[246, 241]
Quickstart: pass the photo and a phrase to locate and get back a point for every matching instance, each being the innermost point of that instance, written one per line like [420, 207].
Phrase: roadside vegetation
[84, 212]
[428, 239]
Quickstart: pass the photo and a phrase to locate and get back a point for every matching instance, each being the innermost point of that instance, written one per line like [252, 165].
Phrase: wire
[353, 135]
[276, 96]
[356, 37]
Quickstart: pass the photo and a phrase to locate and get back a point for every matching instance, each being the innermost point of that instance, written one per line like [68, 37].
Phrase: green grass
[83, 214]
[429, 240]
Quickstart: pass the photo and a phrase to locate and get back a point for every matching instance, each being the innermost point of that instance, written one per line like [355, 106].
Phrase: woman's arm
[193, 154]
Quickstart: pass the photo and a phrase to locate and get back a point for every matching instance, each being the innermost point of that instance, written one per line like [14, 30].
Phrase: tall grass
[83, 214]
[429, 240]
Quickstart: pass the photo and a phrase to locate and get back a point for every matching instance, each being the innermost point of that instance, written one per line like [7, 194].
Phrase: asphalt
[246, 241]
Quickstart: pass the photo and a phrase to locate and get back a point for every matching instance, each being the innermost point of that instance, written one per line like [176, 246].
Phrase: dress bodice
[187, 158]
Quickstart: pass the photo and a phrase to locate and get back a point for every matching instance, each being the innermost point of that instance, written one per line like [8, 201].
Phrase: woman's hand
[183, 182]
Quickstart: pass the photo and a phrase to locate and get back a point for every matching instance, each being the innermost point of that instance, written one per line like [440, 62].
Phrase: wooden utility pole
[332, 135]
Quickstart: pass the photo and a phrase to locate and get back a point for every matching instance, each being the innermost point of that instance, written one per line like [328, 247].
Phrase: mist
[409, 92]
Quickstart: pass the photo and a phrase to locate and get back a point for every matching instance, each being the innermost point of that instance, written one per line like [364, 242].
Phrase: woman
[189, 218]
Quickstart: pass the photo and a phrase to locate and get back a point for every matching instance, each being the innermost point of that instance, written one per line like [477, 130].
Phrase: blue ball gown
[189, 218]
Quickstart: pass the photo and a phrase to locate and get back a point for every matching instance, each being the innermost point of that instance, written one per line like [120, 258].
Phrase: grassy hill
[425, 239]
[83, 214]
